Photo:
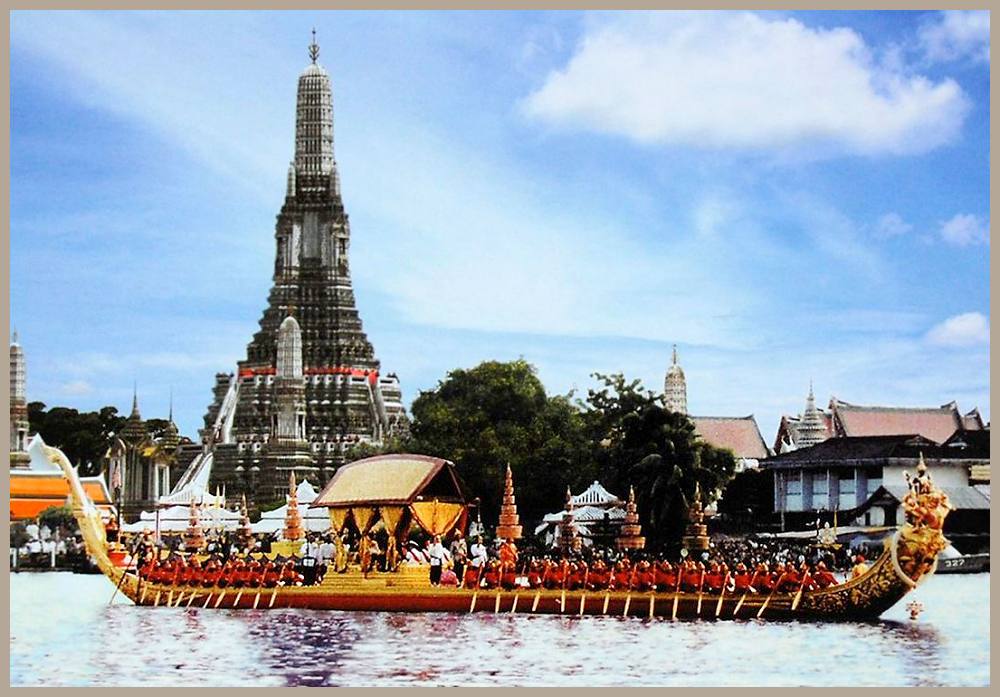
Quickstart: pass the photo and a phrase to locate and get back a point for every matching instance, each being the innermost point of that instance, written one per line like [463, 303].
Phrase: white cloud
[967, 329]
[965, 229]
[891, 225]
[742, 81]
[77, 388]
[957, 34]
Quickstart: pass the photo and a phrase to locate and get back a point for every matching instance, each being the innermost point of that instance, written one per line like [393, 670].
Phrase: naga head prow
[921, 538]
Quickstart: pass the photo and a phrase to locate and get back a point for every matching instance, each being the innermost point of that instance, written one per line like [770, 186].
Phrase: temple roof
[936, 423]
[740, 434]
[391, 479]
[595, 494]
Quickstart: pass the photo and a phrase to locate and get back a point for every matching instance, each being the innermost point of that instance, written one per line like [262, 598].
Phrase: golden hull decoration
[908, 557]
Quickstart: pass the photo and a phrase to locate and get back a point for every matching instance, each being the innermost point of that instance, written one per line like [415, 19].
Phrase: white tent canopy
[177, 518]
[313, 519]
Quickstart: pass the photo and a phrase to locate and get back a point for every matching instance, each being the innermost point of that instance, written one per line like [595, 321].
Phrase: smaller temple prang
[509, 527]
[675, 387]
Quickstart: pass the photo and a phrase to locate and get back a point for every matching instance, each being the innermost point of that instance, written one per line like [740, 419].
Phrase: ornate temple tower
[19, 458]
[675, 387]
[331, 393]
[812, 429]
[510, 523]
[630, 534]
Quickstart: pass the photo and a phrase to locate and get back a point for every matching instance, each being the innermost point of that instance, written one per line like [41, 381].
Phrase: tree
[642, 444]
[496, 414]
[748, 498]
[83, 437]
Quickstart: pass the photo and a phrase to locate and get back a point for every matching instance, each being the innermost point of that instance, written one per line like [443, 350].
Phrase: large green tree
[498, 413]
[83, 436]
[640, 443]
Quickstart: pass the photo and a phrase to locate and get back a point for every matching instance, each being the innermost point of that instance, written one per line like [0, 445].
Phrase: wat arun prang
[310, 387]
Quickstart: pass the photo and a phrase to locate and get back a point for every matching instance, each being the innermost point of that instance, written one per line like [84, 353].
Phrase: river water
[63, 632]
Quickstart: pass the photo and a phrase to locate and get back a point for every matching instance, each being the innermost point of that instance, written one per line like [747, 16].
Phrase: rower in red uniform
[622, 575]
[195, 572]
[763, 580]
[508, 576]
[556, 574]
[473, 577]
[822, 576]
[211, 574]
[691, 577]
[535, 571]
[289, 576]
[491, 574]
[713, 579]
[578, 573]
[791, 580]
[271, 575]
[600, 576]
[742, 580]
[255, 575]
[239, 575]
[664, 576]
[644, 577]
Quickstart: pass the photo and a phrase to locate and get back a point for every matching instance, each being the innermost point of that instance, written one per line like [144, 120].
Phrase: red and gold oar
[701, 583]
[770, 595]
[798, 594]
[475, 593]
[753, 577]
[677, 593]
[583, 596]
[722, 594]
[628, 593]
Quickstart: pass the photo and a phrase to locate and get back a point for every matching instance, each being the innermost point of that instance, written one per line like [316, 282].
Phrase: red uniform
[472, 577]
[664, 576]
[824, 579]
[691, 579]
[491, 575]
[600, 577]
[742, 581]
[535, 572]
[644, 577]
[622, 576]
[271, 575]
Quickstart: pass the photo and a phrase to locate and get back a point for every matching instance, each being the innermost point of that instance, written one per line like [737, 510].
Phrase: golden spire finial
[313, 47]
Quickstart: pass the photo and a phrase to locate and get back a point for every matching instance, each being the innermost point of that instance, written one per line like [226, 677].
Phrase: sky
[787, 197]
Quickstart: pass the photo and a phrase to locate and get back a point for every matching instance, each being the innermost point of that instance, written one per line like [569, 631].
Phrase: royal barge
[908, 557]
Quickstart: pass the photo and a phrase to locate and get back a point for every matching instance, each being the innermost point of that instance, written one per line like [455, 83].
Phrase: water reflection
[64, 633]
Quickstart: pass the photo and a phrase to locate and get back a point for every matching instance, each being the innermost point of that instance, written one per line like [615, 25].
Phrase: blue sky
[785, 196]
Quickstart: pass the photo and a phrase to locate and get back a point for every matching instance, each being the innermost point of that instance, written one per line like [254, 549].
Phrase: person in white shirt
[436, 553]
[477, 554]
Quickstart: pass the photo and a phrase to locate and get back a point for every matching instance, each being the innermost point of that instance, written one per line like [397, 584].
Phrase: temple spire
[313, 47]
[135, 400]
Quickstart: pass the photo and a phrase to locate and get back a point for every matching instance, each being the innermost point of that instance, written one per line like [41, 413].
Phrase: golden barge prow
[908, 557]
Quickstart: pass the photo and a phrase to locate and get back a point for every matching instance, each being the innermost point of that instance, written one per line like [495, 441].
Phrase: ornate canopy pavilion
[398, 489]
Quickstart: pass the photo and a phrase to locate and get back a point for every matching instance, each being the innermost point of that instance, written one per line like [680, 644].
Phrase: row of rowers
[231, 573]
[688, 576]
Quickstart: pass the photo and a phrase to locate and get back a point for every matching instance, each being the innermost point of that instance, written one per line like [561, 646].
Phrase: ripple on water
[64, 633]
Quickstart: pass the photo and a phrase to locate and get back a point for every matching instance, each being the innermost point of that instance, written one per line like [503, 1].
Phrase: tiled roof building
[843, 419]
[740, 434]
